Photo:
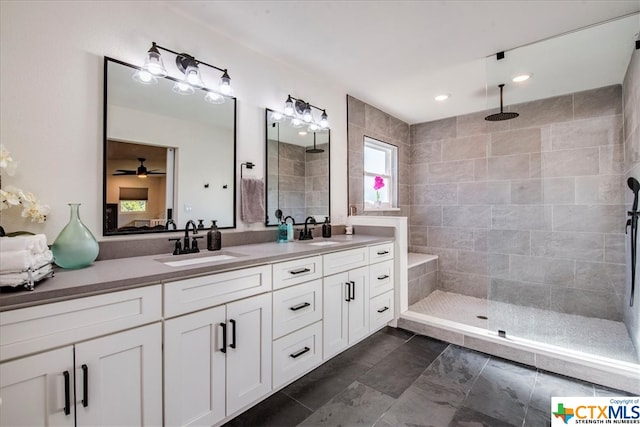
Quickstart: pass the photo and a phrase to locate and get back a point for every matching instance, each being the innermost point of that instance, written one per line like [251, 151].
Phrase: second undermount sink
[324, 243]
[199, 258]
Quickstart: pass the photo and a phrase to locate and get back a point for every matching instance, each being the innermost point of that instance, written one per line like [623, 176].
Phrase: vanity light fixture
[189, 66]
[301, 112]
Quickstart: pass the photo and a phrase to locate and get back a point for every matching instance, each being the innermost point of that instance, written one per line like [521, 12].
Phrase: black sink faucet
[185, 246]
[306, 234]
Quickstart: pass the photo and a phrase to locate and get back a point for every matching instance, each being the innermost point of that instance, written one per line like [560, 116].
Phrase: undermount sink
[324, 243]
[199, 258]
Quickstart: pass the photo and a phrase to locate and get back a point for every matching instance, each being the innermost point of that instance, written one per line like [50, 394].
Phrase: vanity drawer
[296, 353]
[296, 307]
[380, 310]
[196, 293]
[297, 271]
[380, 278]
[381, 252]
[337, 262]
[29, 330]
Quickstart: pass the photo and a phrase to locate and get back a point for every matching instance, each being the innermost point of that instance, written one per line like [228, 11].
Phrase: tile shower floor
[588, 334]
[396, 378]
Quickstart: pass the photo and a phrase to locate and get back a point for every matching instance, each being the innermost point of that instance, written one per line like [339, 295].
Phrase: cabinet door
[194, 369]
[335, 317]
[359, 304]
[36, 390]
[248, 351]
[119, 379]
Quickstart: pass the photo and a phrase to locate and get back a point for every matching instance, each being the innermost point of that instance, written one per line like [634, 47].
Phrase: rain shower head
[314, 150]
[502, 115]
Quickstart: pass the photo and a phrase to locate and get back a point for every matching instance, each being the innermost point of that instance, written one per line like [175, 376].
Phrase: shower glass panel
[557, 191]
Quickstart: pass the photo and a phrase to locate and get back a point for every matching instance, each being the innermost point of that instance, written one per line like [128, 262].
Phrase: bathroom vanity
[162, 340]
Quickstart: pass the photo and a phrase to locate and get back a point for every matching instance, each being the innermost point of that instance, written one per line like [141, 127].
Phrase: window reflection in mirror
[188, 147]
[297, 171]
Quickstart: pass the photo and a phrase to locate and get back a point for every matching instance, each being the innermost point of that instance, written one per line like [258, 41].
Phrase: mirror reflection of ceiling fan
[141, 172]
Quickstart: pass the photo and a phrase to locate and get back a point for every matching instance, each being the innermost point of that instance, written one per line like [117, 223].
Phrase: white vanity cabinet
[117, 377]
[381, 282]
[218, 360]
[345, 300]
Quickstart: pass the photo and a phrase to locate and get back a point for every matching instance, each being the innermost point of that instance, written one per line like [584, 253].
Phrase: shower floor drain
[482, 317]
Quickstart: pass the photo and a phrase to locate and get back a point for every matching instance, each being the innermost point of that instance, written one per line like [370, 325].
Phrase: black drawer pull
[67, 397]
[85, 385]
[233, 333]
[382, 310]
[384, 276]
[353, 290]
[302, 270]
[299, 306]
[383, 252]
[224, 337]
[299, 353]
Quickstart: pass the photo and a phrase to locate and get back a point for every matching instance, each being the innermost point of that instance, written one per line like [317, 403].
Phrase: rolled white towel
[36, 243]
[15, 261]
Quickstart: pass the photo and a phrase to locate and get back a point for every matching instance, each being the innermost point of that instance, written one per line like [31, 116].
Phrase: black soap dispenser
[214, 237]
[326, 228]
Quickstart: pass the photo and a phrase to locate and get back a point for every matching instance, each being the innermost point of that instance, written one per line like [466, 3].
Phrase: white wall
[51, 97]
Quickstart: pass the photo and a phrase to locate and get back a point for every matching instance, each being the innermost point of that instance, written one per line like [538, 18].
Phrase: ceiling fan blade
[155, 173]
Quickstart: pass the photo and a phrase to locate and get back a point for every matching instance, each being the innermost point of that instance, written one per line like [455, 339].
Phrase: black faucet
[186, 248]
[306, 234]
[170, 222]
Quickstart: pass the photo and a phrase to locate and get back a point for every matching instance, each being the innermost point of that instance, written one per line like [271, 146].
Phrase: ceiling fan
[141, 172]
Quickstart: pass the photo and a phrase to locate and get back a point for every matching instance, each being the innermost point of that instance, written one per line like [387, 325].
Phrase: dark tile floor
[396, 378]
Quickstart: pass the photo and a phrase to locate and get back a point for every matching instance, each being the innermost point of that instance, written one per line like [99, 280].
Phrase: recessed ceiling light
[521, 78]
[442, 97]
[302, 133]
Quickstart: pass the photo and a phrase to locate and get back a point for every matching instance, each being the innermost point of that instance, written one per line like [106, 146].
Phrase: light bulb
[225, 84]
[288, 107]
[276, 116]
[313, 127]
[324, 120]
[521, 78]
[306, 115]
[144, 77]
[296, 122]
[153, 62]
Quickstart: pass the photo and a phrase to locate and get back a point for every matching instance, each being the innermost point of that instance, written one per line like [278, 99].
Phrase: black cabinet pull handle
[302, 270]
[299, 306]
[382, 310]
[383, 252]
[353, 290]
[224, 337]
[233, 333]
[384, 276]
[85, 385]
[67, 397]
[347, 292]
[299, 353]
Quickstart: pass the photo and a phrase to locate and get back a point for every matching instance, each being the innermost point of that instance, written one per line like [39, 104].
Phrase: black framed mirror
[168, 158]
[298, 171]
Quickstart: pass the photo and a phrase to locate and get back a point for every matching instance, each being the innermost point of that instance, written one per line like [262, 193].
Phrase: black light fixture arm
[186, 55]
[306, 103]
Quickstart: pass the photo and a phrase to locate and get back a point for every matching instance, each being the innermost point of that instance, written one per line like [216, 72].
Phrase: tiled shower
[525, 213]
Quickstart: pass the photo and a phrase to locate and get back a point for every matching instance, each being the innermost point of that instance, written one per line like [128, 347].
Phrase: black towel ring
[248, 165]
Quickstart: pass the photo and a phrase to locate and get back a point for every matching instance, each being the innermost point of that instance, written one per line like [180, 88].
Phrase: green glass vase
[75, 246]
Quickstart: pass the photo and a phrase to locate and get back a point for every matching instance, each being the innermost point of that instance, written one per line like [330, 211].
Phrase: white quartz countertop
[125, 273]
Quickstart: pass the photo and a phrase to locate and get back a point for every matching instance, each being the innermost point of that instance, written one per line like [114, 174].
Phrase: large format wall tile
[450, 237]
[592, 218]
[466, 216]
[604, 189]
[463, 283]
[578, 246]
[542, 112]
[457, 171]
[509, 167]
[520, 293]
[583, 161]
[542, 270]
[471, 147]
[509, 242]
[585, 303]
[521, 217]
[604, 101]
[485, 192]
[520, 141]
[438, 194]
[587, 133]
[432, 131]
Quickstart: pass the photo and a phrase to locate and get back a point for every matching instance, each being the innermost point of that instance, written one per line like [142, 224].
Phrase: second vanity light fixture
[154, 68]
[300, 113]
